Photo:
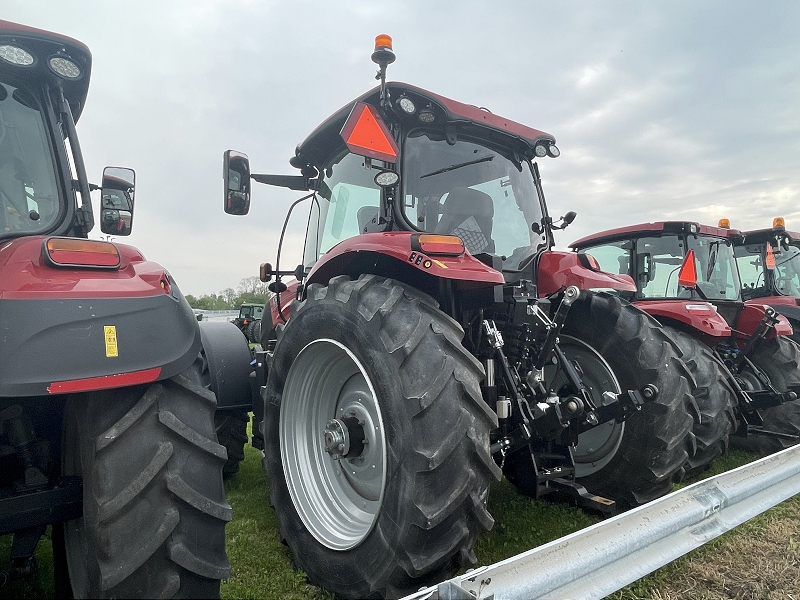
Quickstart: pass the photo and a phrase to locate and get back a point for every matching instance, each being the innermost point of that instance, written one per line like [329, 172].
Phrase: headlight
[16, 55]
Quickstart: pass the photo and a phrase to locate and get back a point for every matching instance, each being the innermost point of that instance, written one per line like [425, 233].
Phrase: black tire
[435, 432]
[154, 515]
[255, 332]
[779, 359]
[639, 460]
[231, 427]
[715, 399]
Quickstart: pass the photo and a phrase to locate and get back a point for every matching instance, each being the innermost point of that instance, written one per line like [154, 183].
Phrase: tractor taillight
[80, 253]
[687, 276]
[441, 245]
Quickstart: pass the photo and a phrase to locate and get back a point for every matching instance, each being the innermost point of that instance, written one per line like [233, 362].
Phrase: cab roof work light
[687, 277]
[366, 134]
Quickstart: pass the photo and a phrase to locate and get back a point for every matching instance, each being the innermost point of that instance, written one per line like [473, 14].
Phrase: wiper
[459, 165]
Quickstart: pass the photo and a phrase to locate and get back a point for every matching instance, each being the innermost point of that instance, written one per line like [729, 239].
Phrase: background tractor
[769, 265]
[107, 381]
[740, 353]
[432, 340]
[249, 321]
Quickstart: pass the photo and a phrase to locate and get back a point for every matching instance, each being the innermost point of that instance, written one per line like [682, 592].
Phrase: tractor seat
[468, 214]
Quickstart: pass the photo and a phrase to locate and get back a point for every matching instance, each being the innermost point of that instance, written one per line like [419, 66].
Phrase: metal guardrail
[603, 558]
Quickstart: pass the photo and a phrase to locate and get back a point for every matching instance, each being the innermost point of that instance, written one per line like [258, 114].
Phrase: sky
[662, 110]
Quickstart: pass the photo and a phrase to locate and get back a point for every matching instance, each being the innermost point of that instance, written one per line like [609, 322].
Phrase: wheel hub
[344, 438]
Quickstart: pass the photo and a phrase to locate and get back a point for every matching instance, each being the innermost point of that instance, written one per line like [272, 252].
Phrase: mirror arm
[293, 182]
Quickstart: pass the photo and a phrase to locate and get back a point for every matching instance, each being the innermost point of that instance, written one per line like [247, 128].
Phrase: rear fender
[751, 317]
[692, 317]
[558, 270]
[785, 305]
[75, 329]
[229, 364]
[466, 270]
[286, 298]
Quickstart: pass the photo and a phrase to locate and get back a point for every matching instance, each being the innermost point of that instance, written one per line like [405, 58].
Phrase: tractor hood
[461, 119]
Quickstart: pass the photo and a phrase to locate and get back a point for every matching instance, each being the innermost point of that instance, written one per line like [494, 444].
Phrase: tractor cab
[672, 261]
[44, 79]
[769, 262]
[401, 159]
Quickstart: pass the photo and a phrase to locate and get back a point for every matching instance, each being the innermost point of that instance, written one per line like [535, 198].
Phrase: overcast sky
[662, 110]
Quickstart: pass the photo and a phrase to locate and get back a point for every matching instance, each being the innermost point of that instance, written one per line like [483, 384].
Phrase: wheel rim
[596, 447]
[338, 499]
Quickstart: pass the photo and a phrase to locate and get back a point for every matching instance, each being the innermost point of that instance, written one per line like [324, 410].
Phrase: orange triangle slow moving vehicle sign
[687, 276]
[366, 134]
[769, 261]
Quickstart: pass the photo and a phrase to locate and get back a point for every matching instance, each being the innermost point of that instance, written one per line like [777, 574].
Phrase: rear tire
[231, 428]
[406, 511]
[638, 460]
[779, 359]
[715, 400]
[154, 514]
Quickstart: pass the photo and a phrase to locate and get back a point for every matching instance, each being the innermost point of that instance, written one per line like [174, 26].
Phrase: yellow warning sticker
[111, 340]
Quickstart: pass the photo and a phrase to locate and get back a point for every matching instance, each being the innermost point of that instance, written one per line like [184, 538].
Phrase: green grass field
[262, 566]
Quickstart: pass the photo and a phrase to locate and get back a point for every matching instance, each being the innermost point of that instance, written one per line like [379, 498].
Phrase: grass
[753, 561]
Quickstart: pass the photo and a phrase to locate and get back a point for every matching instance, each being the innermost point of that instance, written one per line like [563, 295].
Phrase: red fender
[557, 270]
[397, 244]
[752, 315]
[699, 316]
[286, 298]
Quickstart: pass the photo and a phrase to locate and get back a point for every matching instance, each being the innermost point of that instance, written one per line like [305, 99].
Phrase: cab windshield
[476, 193]
[28, 191]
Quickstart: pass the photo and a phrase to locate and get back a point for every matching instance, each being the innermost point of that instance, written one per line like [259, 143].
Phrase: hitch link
[766, 325]
[571, 294]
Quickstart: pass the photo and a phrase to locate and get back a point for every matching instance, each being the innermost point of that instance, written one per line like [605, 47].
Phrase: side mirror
[569, 217]
[236, 174]
[116, 201]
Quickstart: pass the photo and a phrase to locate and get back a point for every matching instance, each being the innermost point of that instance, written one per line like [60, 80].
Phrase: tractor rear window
[474, 192]
[659, 259]
[28, 192]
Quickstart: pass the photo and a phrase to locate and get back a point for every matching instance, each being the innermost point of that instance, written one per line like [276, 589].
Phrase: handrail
[605, 557]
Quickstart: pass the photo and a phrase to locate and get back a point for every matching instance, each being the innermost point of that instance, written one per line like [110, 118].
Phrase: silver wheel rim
[596, 447]
[338, 500]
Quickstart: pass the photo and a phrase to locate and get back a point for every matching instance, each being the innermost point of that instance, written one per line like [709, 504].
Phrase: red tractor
[107, 408]
[769, 265]
[746, 366]
[432, 340]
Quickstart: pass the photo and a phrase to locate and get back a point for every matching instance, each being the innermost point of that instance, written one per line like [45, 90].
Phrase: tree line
[251, 290]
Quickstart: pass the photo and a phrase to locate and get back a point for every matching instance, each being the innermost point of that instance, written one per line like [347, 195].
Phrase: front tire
[638, 460]
[154, 513]
[405, 511]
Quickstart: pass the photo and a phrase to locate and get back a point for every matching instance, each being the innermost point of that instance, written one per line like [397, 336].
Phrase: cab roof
[462, 118]
[636, 231]
[759, 236]
[42, 45]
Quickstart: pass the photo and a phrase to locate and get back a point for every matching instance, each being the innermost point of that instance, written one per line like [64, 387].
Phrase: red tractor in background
[107, 381]
[746, 366]
[769, 265]
[433, 340]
